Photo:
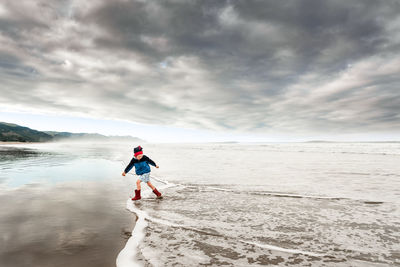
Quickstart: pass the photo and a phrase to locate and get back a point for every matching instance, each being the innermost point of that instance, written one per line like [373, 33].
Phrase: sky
[173, 71]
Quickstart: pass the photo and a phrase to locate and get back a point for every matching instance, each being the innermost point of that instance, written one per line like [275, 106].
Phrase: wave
[286, 194]
[275, 194]
[127, 256]
[292, 251]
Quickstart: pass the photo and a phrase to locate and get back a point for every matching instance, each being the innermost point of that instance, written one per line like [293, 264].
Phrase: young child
[141, 163]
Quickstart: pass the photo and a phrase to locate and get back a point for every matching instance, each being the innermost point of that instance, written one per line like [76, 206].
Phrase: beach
[224, 204]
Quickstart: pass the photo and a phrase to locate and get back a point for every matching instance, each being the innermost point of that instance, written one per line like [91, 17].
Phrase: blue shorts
[145, 177]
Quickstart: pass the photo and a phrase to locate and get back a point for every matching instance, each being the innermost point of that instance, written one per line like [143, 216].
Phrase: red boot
[158, 194]
[137, 195]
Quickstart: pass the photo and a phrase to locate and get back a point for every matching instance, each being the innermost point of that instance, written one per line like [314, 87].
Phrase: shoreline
[127, 256]
[18, 143]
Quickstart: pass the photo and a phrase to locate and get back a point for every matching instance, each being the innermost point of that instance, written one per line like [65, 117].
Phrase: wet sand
[74, 224]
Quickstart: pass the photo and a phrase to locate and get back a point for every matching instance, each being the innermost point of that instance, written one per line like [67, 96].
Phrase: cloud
[253, 66]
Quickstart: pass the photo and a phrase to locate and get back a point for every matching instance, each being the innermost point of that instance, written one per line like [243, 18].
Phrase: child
[142, 168]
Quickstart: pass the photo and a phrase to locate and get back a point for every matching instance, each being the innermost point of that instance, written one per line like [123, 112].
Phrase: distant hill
[15, 133]
[12, 132]
[67, 135]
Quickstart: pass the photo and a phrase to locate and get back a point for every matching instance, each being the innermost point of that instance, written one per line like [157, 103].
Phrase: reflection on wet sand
[81, 224]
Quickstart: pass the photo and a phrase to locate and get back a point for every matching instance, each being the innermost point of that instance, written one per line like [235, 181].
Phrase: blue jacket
[141, 166]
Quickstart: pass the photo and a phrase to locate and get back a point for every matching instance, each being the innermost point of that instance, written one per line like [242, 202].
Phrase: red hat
[138, 151]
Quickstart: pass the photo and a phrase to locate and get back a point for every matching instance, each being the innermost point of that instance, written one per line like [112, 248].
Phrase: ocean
[233, 204]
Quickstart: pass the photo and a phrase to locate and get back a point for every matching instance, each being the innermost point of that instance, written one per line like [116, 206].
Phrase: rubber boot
[158, 194]
[137, 195]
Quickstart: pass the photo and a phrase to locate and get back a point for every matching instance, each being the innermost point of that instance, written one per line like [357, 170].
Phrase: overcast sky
[266, 68]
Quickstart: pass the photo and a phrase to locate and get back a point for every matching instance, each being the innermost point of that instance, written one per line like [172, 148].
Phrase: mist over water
[227, 204]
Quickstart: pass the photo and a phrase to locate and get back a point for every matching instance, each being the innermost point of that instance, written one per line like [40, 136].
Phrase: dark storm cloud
[268, 66]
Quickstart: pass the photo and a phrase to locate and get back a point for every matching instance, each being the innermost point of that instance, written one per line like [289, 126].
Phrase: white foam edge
[276, 194]
[266, 246]
[127, 256]
[292, 251]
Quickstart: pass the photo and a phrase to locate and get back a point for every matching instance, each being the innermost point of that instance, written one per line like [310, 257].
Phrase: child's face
[139, 156]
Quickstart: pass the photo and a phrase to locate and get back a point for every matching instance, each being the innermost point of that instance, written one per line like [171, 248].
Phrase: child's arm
[151, 162]
[129, 167]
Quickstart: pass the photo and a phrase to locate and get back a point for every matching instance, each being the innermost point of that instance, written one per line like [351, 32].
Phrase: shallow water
[199, 225]
[233, 204]
[60, 209]
[275, 204]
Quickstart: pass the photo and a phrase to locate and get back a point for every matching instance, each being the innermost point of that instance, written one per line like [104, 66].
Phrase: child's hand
[157, 166]
[123, 174]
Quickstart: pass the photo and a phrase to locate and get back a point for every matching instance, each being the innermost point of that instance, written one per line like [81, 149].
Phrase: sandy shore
[67, 225]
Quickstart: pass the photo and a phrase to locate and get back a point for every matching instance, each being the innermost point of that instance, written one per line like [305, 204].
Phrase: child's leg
[137, 191]
[151, 185]
[155, 191]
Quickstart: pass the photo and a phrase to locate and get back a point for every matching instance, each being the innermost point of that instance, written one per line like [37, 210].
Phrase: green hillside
[12, 132]
[15, 133]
